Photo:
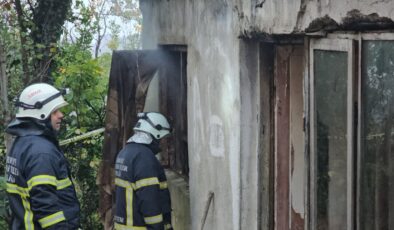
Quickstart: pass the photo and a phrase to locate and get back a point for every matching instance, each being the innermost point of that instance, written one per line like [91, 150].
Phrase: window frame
[172, 159]
[372, 36]
[329, 43]
[341, 45]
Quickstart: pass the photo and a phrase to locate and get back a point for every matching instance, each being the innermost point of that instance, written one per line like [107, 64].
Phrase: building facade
[283, 111]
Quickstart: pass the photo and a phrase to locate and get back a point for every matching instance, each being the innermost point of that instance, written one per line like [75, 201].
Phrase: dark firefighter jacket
[142, 197]
[39, 187]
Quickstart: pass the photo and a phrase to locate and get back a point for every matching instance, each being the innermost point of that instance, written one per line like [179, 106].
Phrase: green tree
[77, 70]
[108, 18]
[11, 78]
[37, 45]
[40, 27]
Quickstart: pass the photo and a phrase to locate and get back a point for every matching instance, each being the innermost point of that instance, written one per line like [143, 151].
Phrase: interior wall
[152, 96]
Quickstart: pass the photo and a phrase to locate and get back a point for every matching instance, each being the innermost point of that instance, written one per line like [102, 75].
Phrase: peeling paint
[325, 23]
[289, 17]
[260, 5]
[216, 136]
[197, 118]
[380, 1]
[300, 15]
[355, 20]
[297, 222]
[211, 30]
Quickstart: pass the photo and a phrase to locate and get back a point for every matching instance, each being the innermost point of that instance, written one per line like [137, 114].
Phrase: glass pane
[377, 158]
[330, 71]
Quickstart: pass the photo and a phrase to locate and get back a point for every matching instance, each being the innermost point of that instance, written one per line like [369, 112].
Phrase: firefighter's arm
[166, 201]
[167, 221]
[147, 191]
[42, 185]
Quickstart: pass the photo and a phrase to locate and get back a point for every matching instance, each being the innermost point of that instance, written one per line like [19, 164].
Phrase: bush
[3, 204]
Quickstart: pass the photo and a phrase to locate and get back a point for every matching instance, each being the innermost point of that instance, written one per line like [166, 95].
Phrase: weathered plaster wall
[214, 114]
[250, 135]
[164, 22]
[213, 100]
[180, 197]
[283, 17]
[223, 98]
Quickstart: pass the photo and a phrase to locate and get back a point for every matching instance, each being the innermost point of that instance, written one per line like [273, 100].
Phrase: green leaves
[3, 202]
[87, 79]
[34, 52]
[83, 75]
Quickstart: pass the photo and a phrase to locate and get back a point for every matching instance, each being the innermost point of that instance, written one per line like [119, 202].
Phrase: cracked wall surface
[283, 17]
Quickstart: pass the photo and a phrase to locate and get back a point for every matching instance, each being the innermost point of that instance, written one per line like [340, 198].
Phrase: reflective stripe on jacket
[142, 197]
[39, 188]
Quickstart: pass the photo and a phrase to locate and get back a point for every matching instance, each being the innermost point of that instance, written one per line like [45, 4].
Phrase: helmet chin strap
[47, 122]
[155, 146]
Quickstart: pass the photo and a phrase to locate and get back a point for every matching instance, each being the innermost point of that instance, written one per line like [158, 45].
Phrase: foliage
[83, 75]
[40, 26]
[3, 202]
[84, 158]
[64, 56]
[113, 44]
[114, 23]
[9, 39]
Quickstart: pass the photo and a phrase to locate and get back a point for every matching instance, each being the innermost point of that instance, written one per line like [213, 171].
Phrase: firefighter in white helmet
[142, 197]
[39, 187]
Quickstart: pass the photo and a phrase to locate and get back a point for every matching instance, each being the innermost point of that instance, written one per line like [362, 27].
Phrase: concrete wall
[213, 100]
[284, 17]
[224, 98]
[180, 200]
[250, 166]
[214, 114]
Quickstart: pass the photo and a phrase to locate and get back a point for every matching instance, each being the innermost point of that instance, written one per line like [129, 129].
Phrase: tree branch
[23, 40]
[94, 110]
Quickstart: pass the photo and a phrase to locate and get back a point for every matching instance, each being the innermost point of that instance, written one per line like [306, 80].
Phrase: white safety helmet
[39, 101]
[153, 123]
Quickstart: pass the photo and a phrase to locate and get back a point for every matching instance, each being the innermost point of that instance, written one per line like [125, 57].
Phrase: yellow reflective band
[129, 198]
[167, 226]
[52, 219]
[61, 184]
[41, 179]
[48, 180]
[13, 188]
[125, 227]
[122, 183]
[146, 182]
[129, 205]
[153, 219]
[163, 185]
[28, 217]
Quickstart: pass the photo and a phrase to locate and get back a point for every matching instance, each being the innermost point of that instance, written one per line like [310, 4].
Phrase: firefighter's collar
[141, 138]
